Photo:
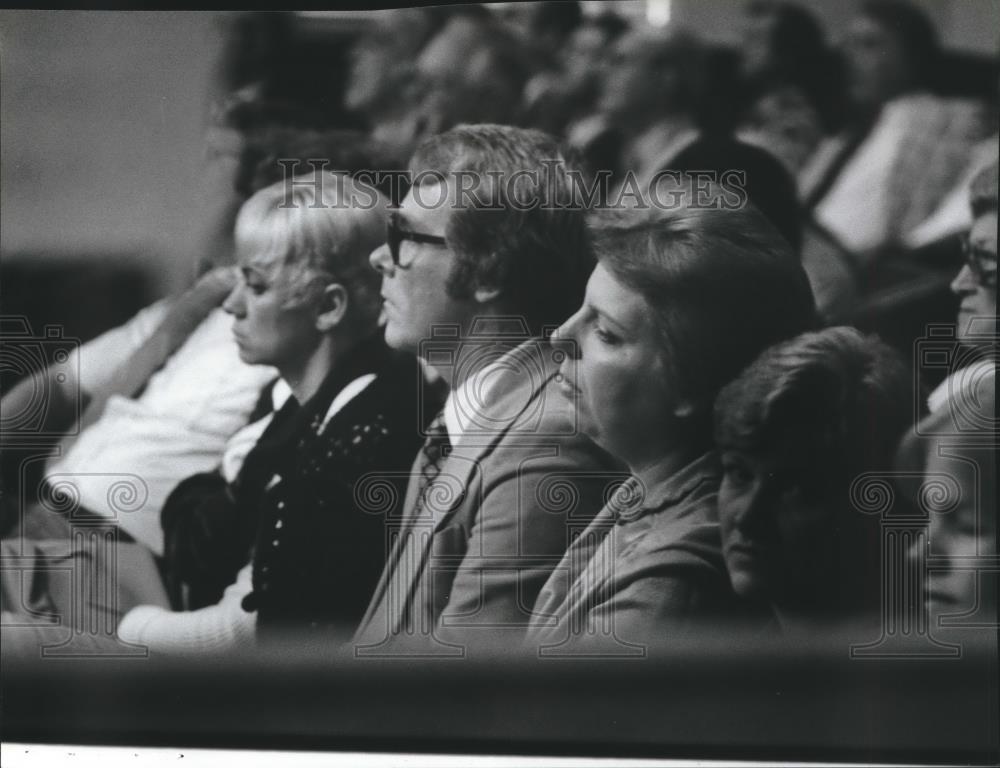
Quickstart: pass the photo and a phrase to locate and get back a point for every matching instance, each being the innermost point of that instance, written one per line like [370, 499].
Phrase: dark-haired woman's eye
[606, 336]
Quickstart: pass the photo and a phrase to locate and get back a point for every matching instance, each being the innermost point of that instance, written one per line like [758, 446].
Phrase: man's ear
[332, 307]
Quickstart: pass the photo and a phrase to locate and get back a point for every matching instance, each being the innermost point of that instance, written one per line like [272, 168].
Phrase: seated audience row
[568, 491]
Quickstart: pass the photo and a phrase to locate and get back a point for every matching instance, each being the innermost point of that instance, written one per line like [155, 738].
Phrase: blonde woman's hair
[322, 227]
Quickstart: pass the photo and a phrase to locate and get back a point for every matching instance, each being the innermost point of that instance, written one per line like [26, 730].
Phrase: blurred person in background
[900, 151]
[789, 88]
[548, 26]
[653, 120]
[158, 398]
[469, 69]
[143, 406]
[261, 91]
[649, 101]
[669, 285]
[953, 215]
[568, 90]
[794, 430]
[382, 61]
[345, 407]
[957, 439]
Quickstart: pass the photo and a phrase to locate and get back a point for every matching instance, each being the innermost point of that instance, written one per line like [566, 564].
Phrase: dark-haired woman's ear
[332, 307]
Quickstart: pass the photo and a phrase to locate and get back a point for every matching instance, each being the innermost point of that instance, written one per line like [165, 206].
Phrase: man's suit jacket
[467, 568]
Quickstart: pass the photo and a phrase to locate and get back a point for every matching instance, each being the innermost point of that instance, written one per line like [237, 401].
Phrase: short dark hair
[723, 284]
[524, 235]
[768, 184]
[851, 393]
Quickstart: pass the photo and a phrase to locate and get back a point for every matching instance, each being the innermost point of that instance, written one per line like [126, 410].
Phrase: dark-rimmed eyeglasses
[982, 263]
[395, 234]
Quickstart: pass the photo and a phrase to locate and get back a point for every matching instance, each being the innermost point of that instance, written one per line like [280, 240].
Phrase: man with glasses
[955, 445]
[485, 255]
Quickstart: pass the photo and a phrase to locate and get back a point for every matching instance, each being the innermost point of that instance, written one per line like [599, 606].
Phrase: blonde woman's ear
[332, 307]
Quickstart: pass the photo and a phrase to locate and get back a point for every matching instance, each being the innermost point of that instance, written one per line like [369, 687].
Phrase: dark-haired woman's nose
[564, 339]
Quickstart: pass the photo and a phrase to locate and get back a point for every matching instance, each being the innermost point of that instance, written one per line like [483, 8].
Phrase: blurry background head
[779, 37]
[591, 43]
[302, 247]
[551, 24]
[794, 429]
[382, 63]
[568, 89]
[468, 68]
[891, 48]
[784, 46]
[653, 74]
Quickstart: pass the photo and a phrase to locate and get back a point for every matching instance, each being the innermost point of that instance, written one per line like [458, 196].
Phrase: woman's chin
[248, 357]
[747, 584]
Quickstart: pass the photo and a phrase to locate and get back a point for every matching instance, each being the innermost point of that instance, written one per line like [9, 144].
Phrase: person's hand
[194, 305]
[213, 286]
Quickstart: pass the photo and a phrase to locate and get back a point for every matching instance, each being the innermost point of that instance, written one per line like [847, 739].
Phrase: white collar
[345, 395]
[282, 391]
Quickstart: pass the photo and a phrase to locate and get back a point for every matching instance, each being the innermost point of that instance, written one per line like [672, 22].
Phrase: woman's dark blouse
[314, 498]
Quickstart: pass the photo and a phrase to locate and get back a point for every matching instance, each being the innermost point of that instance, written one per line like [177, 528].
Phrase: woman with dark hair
[670, 284]
[795, 429]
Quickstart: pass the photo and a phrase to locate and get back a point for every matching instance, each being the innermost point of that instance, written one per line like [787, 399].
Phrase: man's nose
[380, 259]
